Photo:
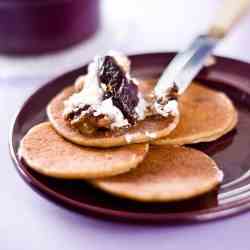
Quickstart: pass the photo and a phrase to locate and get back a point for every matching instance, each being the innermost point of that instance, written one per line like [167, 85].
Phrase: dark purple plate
[231, 152]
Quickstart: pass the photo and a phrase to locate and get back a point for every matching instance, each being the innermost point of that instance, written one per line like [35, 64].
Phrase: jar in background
[39, 26]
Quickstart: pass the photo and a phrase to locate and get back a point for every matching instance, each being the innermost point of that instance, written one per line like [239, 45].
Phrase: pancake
[205, 115]
[48, 153]
[168, 173]
[147, 130]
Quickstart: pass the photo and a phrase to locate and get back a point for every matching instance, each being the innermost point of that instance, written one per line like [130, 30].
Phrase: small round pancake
[50, 154]
[147, 130]
[168, 173]
[205, 115]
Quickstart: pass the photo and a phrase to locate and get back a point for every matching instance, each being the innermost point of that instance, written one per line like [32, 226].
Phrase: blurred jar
[38, 26]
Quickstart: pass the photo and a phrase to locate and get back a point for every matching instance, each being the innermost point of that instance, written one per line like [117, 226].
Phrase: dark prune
[126, 100]
[124, 92]
[110, 73]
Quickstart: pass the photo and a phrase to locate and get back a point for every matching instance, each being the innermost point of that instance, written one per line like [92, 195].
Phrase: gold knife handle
[229, 14]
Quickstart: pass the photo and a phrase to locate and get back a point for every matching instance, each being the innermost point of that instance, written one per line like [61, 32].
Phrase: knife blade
[186, 65]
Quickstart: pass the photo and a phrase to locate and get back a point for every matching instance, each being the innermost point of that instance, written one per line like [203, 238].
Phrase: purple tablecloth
[28, 221]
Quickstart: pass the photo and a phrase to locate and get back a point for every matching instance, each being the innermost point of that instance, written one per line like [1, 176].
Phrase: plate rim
[208, 214]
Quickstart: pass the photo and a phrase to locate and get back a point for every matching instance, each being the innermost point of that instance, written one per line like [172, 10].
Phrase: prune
[110, 73]
[124, 92]
[126, 100]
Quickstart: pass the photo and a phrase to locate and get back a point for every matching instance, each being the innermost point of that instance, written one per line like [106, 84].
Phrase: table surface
[28, 221]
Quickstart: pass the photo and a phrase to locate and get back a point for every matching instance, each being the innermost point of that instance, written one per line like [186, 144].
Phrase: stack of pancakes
[123, 163]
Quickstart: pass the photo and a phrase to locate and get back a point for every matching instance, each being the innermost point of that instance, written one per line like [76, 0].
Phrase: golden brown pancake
[48, 153]
[168, 173]
[144, 131]
[205, 115]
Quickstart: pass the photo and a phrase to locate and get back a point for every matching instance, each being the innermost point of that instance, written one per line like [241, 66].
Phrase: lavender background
[30, 222]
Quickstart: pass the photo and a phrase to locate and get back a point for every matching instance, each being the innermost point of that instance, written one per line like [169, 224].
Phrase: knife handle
[229, 14]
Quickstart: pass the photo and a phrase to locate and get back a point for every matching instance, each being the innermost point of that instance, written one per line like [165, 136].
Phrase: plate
[231, 152]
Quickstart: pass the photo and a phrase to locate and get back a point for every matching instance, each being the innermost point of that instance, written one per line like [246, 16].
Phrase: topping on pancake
[166, 103]
[108, 98]
[117, 86]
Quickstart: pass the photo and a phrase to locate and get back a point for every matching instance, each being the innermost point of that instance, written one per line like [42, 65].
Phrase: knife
[186, 65]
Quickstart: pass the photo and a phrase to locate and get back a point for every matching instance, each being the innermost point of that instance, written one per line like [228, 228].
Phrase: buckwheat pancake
[50, 154]
[205, 115]
[168, 173]
[147, 130]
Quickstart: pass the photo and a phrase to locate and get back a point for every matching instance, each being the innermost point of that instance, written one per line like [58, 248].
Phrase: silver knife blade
[186, 65]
